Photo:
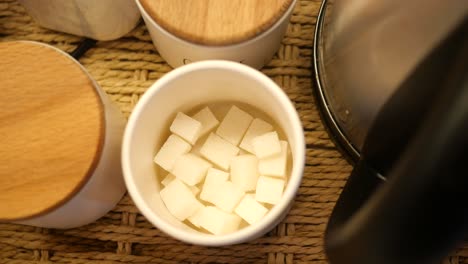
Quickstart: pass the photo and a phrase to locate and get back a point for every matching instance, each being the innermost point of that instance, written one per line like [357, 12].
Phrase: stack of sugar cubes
[212, 183]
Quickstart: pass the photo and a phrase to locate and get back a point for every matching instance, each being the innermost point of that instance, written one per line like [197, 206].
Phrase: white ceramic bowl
[183, 89]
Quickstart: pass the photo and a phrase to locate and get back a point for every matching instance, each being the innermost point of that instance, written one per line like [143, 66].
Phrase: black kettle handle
[419, 141]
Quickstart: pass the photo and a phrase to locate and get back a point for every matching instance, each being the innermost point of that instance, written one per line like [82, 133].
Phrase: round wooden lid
[216, 22]
[51, 129]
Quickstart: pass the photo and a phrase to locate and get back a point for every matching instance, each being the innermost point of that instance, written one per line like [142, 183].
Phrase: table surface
[125, 68]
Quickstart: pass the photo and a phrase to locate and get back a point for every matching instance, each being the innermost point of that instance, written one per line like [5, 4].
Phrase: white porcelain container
[255, 51]
[182, 89]
[100, 20]
[60, 164]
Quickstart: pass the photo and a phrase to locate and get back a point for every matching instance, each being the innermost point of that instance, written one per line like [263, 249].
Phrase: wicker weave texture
[125, 68]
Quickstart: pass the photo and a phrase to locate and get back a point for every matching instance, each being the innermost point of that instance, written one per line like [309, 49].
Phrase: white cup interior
[181, 90]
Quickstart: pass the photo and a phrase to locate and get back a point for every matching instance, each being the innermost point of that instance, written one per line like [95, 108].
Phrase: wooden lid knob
[216, 22]
[51, 129]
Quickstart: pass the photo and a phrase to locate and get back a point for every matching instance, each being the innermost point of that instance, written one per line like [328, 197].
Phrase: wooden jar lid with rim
[216, 22]
[51, 131]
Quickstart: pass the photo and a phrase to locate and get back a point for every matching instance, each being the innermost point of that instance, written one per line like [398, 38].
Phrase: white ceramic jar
[61, 138]
[100, 20]
[253, 46]
[189, 86]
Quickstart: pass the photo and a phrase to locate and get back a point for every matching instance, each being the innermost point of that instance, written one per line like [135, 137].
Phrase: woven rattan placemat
[125, 68]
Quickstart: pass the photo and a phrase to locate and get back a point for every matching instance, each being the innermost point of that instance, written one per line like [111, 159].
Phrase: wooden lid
[216, 22]
[51, 129]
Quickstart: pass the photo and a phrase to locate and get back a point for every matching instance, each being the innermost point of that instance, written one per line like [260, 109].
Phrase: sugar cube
[198, 145]
[227, 196]
[257, 128]
[219, 151]
[171, 150]
[213, 180]
[250, 210]
[269, 190]
[190, 168]
[216, 175]
[218, 222]
[243, 152]
[179, 200]
[169, 177]
[266, 145]
[195, 219]
[244, 171]
[195, 190]
[186, 127]
[207, 120]
[275, 165]
[234, 125]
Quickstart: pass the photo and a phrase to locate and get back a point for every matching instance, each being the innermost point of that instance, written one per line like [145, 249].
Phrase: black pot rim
[351, 152]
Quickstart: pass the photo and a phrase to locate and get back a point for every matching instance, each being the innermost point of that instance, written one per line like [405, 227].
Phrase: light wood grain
[216, 22]
[51, 129]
